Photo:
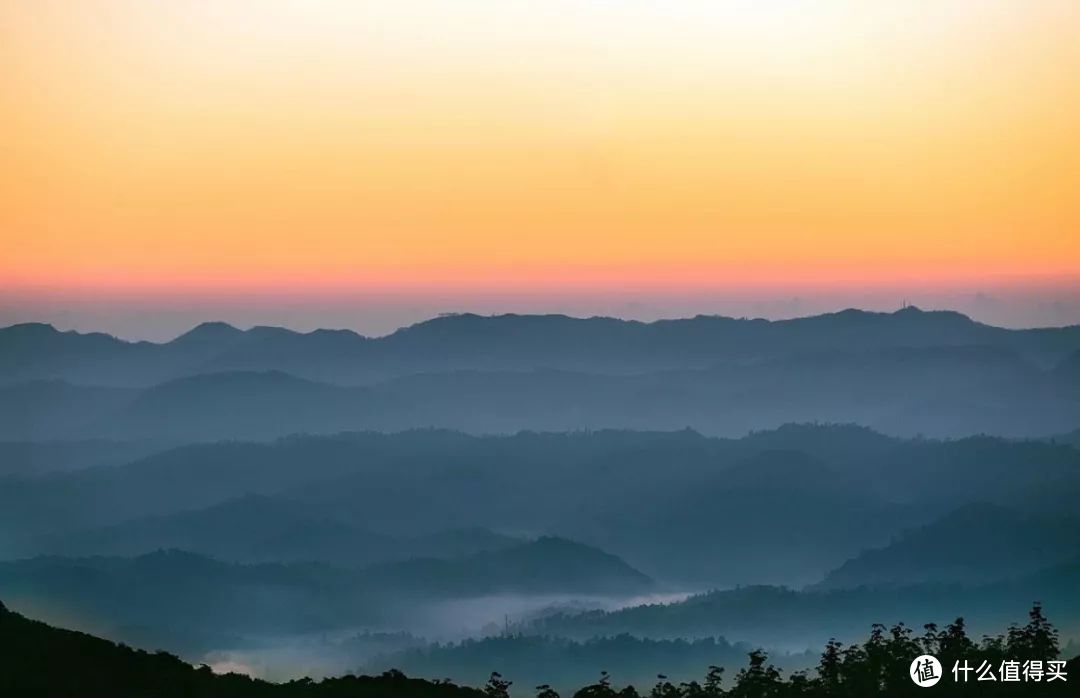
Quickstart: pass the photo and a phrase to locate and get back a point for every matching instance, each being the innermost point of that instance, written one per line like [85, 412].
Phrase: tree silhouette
[497, 686]
[829, 668]
[758, 680]
[714, 679]
[1036, 640]
[600, 689]
[546, 691]
[664, 688]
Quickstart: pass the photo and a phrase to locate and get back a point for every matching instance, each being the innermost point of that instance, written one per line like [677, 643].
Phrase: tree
[800, 685]
[931, 639]
[859, 670]
[664, 688]
[713, 680]
[759, 679]
[600, 689]
[953, 643]
[829, 667]
[497, 686]
[900, 649]
[1040, 638]
[546, 691]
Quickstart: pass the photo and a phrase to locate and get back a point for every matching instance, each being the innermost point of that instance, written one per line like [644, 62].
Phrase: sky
[368, 164]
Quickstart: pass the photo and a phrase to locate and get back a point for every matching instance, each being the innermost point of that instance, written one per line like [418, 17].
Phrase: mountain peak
[912, 311]
[30, 330]
[209, 332]
[32, 327]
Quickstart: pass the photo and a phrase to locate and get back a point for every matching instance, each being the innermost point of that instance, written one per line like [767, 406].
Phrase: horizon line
[910, 308]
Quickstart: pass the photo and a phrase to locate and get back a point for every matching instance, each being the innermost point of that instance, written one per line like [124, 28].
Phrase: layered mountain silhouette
[933, 392]
[323, 497]
[259, 528]
[454, 342]
[186, 599]
[906, 373]
[773, 615]
[976, 543]
[784, 506]
[38, 458]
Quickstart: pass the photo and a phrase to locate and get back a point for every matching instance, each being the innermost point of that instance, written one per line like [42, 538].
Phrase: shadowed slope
[39, 660]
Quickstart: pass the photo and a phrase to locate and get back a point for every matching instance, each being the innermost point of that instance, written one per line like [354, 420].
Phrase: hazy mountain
[248, 528]
[258, 528]
[777, 517]
[977, 543]
[933, 391]
[34, 458]
[514, 342]
[785, 618]
[50, 409]
[546, 565]
[1072, 438]
[241, 405]
[183, 478]
[186, 597]
[1068, 372]
[782, 507]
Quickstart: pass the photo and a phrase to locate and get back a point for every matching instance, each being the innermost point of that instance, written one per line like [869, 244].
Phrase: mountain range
[192, 601]
[925, 383]
[781, 617]
[780, 506]
[506, 342]
[309, 501]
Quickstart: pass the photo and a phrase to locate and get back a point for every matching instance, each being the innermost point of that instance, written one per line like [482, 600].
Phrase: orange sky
[497, 145]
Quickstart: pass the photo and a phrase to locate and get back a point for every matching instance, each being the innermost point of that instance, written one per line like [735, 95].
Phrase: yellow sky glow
[529, 145]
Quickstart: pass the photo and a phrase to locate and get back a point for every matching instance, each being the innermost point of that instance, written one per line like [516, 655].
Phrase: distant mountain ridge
[939, 391]
[677, 505]
[509, 342]
[258, 528]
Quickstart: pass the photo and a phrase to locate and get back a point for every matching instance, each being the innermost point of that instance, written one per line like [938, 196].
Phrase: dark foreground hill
[39, 661]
